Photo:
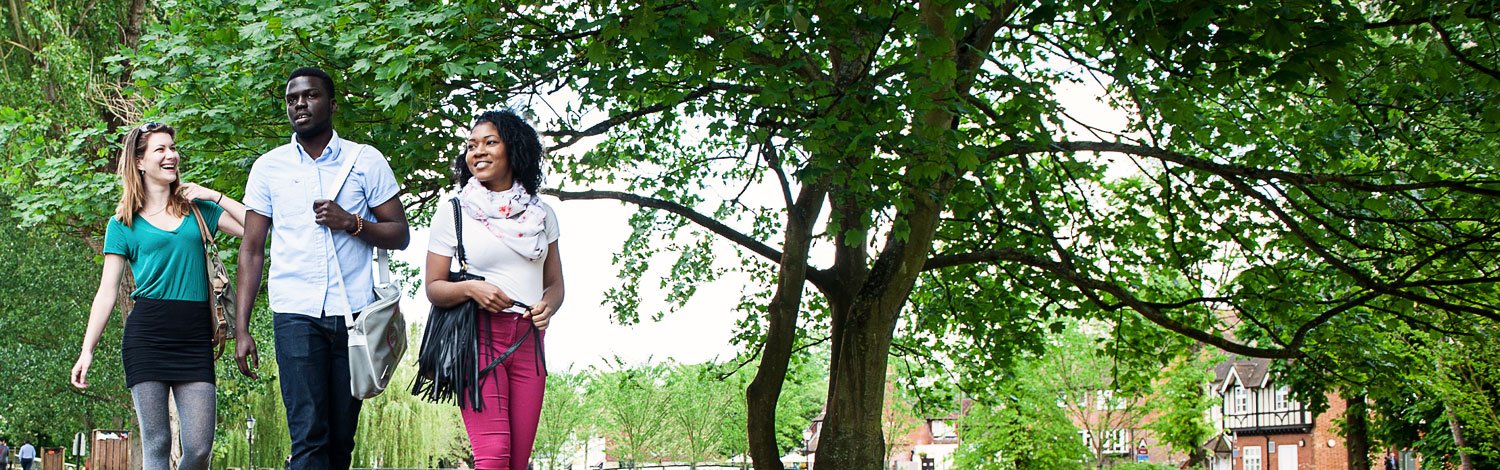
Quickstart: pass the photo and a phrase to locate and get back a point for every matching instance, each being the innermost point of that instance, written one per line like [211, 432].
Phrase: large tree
[1311, 166]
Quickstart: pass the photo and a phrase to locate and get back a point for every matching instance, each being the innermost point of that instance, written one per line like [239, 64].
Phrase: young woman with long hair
[167, 346]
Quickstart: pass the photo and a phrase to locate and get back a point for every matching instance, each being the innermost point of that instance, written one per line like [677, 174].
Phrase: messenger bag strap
[383, 254]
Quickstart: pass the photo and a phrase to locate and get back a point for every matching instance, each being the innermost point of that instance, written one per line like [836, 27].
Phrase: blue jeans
[312, 357]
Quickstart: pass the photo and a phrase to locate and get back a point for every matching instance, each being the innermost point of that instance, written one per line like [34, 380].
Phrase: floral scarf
[514, 216]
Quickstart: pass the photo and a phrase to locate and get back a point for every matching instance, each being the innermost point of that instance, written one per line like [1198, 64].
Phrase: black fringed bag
[448, 363]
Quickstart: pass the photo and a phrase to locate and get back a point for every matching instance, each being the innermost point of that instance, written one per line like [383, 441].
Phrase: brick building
[1263, 428]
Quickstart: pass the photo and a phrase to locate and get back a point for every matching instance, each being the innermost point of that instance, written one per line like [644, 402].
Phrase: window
[943, 430]
[1116, 441]
[1106, 400]
[1241, 400]
[1283, 399]
[1252, 458]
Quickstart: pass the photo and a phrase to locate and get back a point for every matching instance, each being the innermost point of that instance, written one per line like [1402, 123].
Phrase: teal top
[167, 264]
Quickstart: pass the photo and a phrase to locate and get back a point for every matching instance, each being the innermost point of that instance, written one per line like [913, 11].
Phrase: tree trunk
[15, 22]
[861, 334]
[851, 435]
[130, 37]
[1357, 432]
[1197, 458]
[781, 332]
[852, 438]
[1465, 461]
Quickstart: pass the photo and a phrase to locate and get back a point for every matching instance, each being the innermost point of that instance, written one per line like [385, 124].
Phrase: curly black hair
[522, 147]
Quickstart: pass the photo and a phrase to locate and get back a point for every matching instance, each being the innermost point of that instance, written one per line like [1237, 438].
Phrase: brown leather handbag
[220, 287]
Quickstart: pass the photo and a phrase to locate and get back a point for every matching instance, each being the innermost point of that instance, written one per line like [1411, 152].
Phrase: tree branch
[1360, 278]
[1472, 13]
[815, 276]
[977, 42]
[1228, 169]
[1462, 58]
[1083, 282]
[688, 213]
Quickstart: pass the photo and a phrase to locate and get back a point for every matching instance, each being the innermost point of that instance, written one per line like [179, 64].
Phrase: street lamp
[250, 440]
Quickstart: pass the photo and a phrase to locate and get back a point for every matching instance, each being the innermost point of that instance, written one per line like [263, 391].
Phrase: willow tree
[1313, 167]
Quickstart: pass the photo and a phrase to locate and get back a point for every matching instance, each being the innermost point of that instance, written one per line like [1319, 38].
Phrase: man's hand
[246, 355]
[333, 216]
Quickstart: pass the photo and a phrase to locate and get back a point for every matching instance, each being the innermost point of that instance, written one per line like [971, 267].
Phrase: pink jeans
[503, 433]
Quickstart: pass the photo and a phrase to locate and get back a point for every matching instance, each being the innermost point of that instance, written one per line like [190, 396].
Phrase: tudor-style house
[1263, 428]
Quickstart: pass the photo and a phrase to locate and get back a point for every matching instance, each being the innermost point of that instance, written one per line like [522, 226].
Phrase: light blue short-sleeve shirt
[283, 185]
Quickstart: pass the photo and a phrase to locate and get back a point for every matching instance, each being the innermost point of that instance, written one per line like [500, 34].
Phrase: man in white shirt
[27, 455]
[314, 239]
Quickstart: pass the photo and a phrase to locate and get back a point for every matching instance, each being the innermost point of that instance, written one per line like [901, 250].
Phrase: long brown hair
[133, 184]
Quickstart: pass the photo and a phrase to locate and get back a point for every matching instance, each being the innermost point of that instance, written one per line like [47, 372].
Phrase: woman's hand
[489, 297]
[193, 191]
[540, 314]
[81, 370]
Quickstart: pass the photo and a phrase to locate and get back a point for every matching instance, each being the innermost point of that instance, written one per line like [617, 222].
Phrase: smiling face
[486, 157]
[159, 162]
[309, 106]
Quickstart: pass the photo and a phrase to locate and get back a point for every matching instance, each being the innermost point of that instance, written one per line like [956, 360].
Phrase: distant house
[1263, 428]
[928, 446]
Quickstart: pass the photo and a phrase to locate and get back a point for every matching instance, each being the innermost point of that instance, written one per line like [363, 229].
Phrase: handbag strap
[202, 226]
[511, 350]
[209, 251]
[208, 245]
[344, 171]
[458, 231]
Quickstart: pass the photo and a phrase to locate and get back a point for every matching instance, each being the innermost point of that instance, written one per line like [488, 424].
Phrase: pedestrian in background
[26, 456]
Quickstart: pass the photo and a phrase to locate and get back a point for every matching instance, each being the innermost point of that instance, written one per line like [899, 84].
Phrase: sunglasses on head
[150, 126]
[146, 129]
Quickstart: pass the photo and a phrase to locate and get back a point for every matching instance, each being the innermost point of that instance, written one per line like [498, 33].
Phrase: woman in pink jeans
[509, 238]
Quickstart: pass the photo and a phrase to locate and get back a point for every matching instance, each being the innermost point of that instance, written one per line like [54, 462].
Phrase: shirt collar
[333, 150]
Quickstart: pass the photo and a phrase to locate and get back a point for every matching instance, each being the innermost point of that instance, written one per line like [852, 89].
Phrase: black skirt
[168, 341]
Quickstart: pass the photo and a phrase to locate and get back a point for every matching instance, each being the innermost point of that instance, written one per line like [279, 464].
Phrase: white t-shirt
[518, 277]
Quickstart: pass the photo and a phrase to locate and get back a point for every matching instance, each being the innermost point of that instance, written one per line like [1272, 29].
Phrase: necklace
[158, 211]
